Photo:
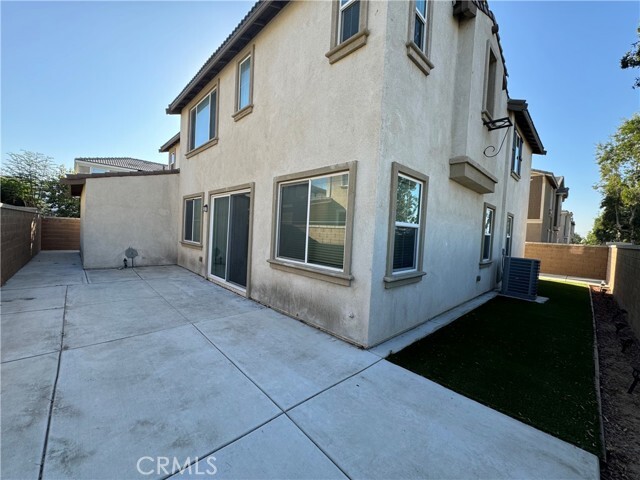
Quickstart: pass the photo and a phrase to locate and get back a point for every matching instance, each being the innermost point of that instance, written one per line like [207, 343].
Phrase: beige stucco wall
[426, 121]
[133, 211]
[373, 107]
[625, 282]
[307, 114]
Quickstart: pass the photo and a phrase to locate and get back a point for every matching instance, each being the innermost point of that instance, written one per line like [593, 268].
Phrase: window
[487, 232]
[244, 83]
[419, 29]
[192, 231]
[420, 25]
[313, 223]
[516, 153]
[348, 28]
[490, 83]
[508, 235]
[202, 121]
[349, 19]
[312, 220]
[172, 159]
[406, 228]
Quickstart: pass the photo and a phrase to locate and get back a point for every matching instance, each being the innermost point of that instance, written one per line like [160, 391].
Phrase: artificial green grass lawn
[531, 361]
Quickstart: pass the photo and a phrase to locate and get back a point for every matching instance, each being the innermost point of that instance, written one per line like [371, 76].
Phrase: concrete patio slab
[388, 422]
[27, 334]
[275, 451]
[28, 300]
[199, 300]
[106, 276]
[288, 360]
[27, 386]
[35, 279]
[166, 271]
[108, 292]
[88, 324]
[168, 393]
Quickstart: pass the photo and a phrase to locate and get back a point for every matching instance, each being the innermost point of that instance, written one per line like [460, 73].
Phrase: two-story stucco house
[545, 221]
[337, 162]
[356, 164]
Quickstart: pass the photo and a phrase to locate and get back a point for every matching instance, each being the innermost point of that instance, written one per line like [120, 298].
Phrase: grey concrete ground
[155, 371]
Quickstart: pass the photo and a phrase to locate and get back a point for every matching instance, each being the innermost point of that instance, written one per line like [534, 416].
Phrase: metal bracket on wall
[496, 125]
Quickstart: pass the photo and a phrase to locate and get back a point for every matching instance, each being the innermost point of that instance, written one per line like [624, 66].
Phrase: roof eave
[525, 123]
[170, 143]
[257, 18]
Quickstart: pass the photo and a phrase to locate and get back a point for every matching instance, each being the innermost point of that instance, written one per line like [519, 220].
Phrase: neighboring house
[114, 164]
[567, 227]
[359, 166]
[171, 148]
[546, 195]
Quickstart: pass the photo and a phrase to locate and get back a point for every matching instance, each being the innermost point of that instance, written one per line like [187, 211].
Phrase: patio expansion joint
[53, 391]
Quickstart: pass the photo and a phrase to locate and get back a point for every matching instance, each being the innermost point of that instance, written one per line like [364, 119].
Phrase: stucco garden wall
[582, 261]
[624, 281]
[20, 232]
[130, 211]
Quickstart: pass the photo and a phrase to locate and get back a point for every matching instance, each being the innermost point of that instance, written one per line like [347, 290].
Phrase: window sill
[418, 57]
[197, 246]
[515, 176]
[242, 113]
[486, 263]
[348, 46]
[338, 278]
[204, 146]
[393, 281]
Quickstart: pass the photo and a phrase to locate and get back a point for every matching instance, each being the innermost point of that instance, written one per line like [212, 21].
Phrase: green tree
[631, 59]
[31, 179]
[577, 238]
[33, 170]
[619, 164]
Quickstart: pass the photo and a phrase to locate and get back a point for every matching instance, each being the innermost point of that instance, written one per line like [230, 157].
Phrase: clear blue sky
[94, 78]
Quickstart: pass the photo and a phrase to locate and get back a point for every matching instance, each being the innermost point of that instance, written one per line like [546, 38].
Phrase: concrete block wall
[572, 260]
[59, 233]
[20, 238]
[624, 281]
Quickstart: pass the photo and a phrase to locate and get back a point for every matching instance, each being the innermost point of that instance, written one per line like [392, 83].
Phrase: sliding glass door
[229, 237]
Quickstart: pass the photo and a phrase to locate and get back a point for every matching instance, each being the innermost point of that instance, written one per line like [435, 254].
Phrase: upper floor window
[348, 28]
[420, 25]
[202, 120]
[172, 159]
[244, 83]
[349, 19]
[487, 233]
[516, 153]
[491, 69]
[419, 29]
